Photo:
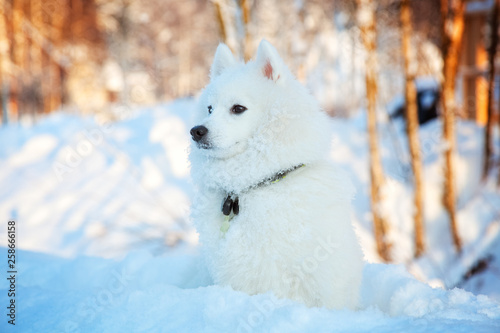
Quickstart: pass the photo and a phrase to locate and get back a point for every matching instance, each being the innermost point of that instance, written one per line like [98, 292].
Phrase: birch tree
[226, 24]
[18, 49]
[4, 62]
[37, 48]
[366, 19]
[452, 12]
[412, 124]
[488, 144]
[247, 42]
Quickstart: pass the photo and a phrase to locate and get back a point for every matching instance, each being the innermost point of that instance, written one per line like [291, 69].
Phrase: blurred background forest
[90, 54]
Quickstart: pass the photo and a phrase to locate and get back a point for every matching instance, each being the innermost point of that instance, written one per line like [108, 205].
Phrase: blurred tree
[492, 50]
[247, 41]
[58, 30]
[18, 44]
[225, 23]
[221, 20]
[19, 40]
[37, 48]
[474, 63]
[412, 124]
[452, 12]
[367, 24]
[4, 63]
[29, 95]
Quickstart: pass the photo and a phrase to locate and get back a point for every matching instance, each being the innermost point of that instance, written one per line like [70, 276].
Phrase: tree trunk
[412, 124]
[223, 25]
[19, 41]
[4, 60]
[247, 43]
[488, 144]
[37, 50]
[452, 27]
[18, 54]
[368, 34]
[55, 88]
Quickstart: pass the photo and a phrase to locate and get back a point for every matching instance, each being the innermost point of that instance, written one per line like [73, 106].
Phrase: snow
[105, 244]
[125, 182]
[146, 293]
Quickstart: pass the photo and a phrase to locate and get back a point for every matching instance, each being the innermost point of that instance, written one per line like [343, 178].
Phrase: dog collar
[231, 201]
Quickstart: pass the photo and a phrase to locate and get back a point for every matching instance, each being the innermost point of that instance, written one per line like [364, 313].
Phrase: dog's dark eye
[237, 109]
[210, 109]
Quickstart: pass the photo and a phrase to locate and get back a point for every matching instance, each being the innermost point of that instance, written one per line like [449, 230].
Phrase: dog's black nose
[198, 132]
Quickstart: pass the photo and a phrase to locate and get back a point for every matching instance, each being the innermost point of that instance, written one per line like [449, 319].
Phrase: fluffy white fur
[293, 237]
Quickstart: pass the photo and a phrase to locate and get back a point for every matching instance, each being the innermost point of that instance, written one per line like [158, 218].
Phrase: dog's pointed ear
[269, 62]
[223, 59]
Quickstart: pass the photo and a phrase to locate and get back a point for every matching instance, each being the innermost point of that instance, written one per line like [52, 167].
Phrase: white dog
[272, 213]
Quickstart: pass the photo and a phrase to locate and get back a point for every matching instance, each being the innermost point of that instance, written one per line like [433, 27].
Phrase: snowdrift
[171, 293]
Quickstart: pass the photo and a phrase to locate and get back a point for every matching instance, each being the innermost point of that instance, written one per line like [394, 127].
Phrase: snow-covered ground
[105, 243]
[146, 293]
